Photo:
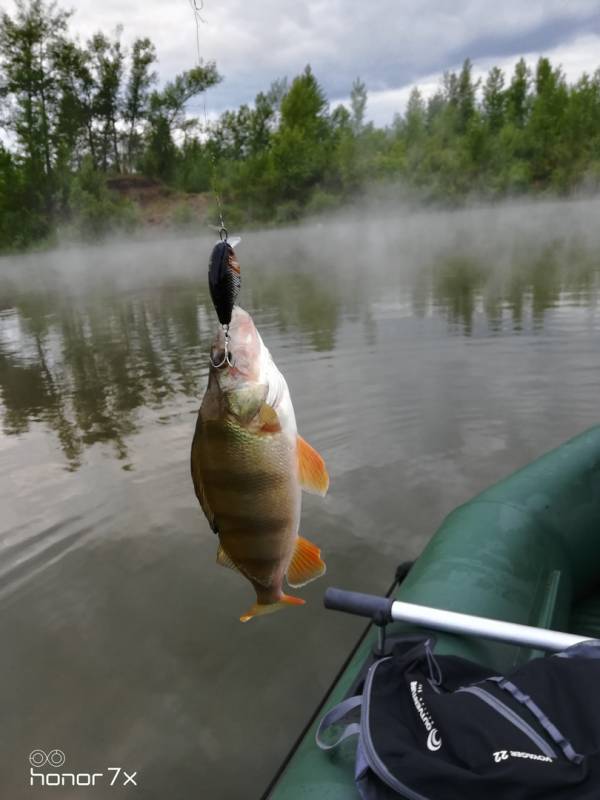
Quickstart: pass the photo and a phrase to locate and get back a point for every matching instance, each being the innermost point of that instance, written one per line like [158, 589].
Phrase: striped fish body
[249, 466]
[251, 485]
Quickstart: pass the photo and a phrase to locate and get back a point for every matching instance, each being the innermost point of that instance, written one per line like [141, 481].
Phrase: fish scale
[260, 530]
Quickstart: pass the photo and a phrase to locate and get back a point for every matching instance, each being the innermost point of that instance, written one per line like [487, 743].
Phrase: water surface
[427, 355]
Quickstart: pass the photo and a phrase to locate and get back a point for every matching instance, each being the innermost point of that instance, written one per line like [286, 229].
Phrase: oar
[383, 610]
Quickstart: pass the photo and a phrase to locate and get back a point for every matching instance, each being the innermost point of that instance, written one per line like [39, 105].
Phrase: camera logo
[55, 758]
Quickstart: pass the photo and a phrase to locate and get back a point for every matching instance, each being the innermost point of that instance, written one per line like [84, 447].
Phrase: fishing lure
[224, 279]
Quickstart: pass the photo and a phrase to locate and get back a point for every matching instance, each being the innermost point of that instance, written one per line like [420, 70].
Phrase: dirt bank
[160, 205]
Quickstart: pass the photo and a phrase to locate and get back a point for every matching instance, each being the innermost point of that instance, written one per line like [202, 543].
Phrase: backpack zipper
[512, 716]
[375, 763]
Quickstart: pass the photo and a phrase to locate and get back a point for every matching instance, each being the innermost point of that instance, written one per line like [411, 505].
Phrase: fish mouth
[222, 359]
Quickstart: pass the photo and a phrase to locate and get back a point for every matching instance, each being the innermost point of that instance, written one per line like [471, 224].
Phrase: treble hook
[227, 356]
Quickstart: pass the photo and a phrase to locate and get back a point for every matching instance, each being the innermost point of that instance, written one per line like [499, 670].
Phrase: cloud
[576, 57]
[391, 44]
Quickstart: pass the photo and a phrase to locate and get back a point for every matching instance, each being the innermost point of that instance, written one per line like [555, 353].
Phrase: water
[427, 356]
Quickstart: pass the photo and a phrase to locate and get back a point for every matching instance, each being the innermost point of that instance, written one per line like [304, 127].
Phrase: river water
[427, 354]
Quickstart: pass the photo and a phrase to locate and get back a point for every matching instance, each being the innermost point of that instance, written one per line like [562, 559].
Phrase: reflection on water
[85, 365]
[427, 355]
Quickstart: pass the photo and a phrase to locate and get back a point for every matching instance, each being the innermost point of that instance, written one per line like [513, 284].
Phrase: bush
[321, 201]
[96, 211]
[183, 216]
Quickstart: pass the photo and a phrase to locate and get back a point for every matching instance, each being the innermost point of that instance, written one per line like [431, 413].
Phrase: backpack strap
[337, 714]
[550, 728]
[589, 649]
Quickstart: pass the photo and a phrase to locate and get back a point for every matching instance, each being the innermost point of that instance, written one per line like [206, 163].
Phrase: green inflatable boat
[525, 551]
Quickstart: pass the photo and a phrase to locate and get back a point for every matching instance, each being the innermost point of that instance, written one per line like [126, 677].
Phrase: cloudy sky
[391, 44]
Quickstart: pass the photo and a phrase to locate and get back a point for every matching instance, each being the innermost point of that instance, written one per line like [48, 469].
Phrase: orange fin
[313, 473]
[269, 421]
[258, 610]
[306, 564]
[225, 561]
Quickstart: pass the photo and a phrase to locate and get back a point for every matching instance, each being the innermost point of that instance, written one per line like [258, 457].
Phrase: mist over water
[428, 354]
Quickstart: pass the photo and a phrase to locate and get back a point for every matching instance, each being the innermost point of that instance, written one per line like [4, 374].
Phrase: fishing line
[197, 6]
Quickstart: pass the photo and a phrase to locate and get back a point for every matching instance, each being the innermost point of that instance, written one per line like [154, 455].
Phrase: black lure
[224, 280]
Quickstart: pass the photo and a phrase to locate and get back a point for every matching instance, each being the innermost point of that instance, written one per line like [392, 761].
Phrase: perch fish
[249, 467]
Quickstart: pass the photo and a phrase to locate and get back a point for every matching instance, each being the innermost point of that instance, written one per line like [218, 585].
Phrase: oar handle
[379, 609]
[383, 610]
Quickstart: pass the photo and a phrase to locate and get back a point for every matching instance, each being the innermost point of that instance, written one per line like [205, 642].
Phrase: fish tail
[258, 609]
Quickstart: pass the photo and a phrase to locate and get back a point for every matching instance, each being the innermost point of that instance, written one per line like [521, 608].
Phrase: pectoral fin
[306, 564]
[268, 419]
[313, 473]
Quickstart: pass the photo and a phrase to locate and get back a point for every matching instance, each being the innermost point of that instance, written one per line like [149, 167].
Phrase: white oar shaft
[485, 627]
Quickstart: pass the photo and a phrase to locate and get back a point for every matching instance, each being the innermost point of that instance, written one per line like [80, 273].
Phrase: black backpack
[444, 728]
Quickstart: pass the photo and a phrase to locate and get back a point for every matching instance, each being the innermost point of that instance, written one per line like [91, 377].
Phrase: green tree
[517, 96]
[494, 100]
[74, 131]
[107, 64]
[301, 146]
[137, 96]
[166, 114]
[358, 104]
[545, 127]
[28, 46]
[465, 96]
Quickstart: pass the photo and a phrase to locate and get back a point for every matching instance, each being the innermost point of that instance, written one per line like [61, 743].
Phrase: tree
[28, 45]
[358, 104]
[545, 128]
[74, 132]
[170, 102]
[137, 95]
[301, 146]
[494, 99]
[166, 114]
[517, 101]
[107, 64]
[465, 95]
[415, 118]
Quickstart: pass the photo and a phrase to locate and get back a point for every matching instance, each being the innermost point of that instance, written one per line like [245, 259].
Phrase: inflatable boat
[502, 574]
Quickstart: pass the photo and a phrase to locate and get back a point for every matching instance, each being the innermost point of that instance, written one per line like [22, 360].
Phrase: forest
[74, 115]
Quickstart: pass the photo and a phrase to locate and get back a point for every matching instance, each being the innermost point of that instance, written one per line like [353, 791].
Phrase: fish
[249, 466]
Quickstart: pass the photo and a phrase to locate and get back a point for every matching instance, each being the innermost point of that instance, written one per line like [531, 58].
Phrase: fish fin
[268, 419]
[226, 561]
[313, 473]
[306, 564]
[258, 609]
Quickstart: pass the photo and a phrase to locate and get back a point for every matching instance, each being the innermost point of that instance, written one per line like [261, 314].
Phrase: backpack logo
[504, 755]
[434, 740]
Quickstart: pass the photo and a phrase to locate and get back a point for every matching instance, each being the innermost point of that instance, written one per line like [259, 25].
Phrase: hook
[227, 356]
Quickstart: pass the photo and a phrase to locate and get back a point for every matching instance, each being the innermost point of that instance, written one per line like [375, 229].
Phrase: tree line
[75, 113]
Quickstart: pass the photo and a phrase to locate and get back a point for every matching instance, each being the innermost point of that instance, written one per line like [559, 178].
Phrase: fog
[369, 236]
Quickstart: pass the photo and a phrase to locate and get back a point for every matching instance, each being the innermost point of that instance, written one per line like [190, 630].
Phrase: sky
[392, 45]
